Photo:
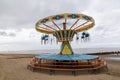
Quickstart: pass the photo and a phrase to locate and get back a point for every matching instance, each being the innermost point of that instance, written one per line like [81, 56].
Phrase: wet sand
[13, 67]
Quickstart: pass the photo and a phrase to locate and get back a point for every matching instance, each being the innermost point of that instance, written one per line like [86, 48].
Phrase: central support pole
[65, 47]
[64, 26]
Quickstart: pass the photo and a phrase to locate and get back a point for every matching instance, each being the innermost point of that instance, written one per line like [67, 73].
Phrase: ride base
[74, 63]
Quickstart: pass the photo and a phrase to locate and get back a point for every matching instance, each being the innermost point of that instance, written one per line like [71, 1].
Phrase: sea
[56, 51]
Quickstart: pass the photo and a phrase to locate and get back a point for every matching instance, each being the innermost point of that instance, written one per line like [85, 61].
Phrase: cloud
[2, 33]
[106, 15]
[18, 18]
[7, 34]
[17, 13]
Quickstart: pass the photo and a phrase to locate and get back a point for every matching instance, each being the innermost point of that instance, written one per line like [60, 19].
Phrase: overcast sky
[18, 18]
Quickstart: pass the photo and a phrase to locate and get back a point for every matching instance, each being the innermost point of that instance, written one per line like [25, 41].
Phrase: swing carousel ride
[64, 27]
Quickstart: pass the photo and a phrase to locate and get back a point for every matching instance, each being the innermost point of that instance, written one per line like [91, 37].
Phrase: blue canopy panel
[73, 57]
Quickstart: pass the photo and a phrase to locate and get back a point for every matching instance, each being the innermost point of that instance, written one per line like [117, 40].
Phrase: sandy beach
[14, 67]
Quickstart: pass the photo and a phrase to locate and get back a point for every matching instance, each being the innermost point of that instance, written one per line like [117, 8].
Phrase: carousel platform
[73, 63]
